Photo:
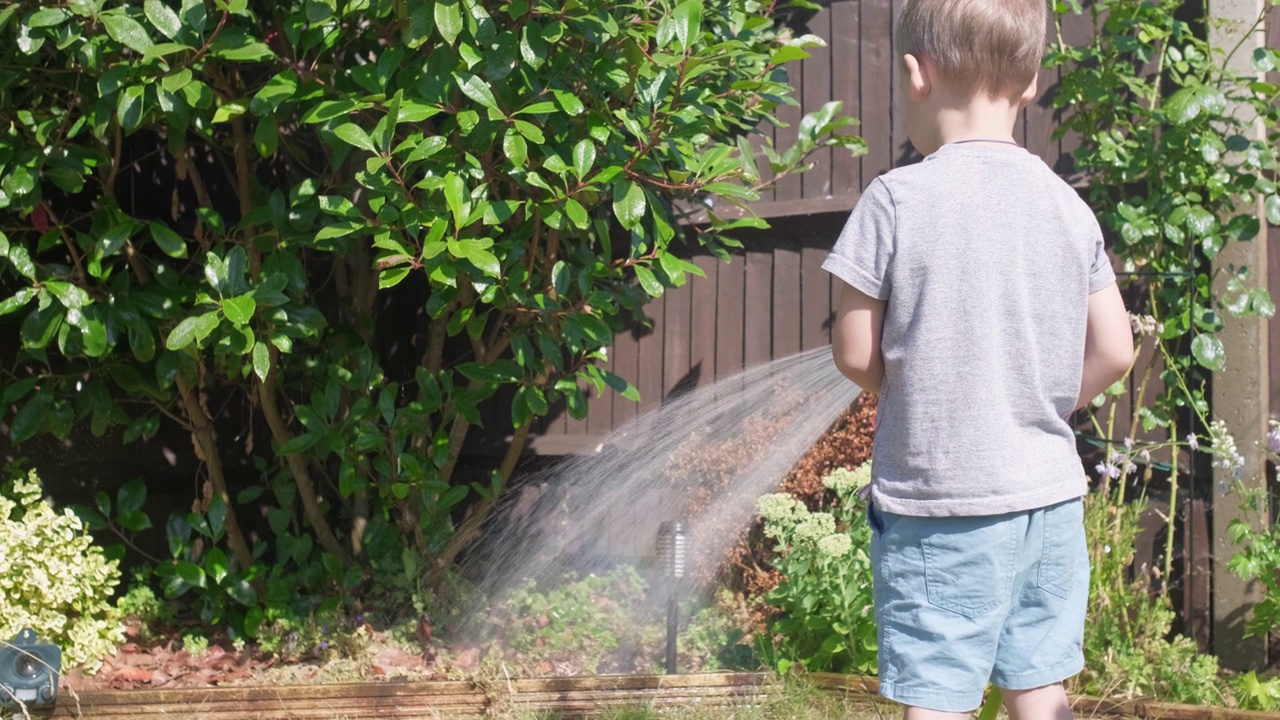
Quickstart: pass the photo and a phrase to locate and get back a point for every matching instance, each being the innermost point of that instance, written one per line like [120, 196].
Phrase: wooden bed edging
[567, 696]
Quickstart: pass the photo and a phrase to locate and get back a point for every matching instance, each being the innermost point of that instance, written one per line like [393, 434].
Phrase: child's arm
[1108, 344]
[855, 338]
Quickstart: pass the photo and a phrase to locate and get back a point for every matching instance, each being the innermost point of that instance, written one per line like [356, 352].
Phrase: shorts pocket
[968, 565]
[1062, 546]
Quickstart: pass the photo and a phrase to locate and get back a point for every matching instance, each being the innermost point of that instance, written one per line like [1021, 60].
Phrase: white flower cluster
[781, 512]
[53, 579]
[815, 527]
[1223, 448]
[1145, 325]
[835, 545]
[846, 482]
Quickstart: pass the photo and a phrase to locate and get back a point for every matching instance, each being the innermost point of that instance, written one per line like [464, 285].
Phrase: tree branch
[297, 464]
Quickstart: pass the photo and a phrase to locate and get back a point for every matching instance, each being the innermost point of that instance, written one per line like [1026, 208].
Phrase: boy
[980, 304]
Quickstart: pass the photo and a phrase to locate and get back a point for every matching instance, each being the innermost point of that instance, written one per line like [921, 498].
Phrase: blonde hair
[981, 45]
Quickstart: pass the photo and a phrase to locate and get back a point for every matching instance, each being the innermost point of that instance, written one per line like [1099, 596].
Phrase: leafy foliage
[1175, 173]
[361, 224]
[1128, 647]
[53, 579]
[826, 621]
[1177, 168]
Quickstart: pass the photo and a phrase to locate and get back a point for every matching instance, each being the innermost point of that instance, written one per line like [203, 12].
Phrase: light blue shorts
[961, 601]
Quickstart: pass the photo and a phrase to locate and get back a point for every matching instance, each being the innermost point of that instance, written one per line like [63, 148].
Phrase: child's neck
[976, 118]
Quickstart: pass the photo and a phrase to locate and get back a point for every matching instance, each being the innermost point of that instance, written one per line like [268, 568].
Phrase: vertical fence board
[815, 299]
[816, 183]
[649, 374]
[702, 339]
[789, 188]
[845, 83]
[675, 346]
[876, 26]
[758, 301]
[626, 363]
[729, 317]
[786, 301]
[1040, 118]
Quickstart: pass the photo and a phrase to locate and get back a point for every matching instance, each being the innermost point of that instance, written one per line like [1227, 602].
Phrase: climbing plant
[358, 221]
[1177, 167]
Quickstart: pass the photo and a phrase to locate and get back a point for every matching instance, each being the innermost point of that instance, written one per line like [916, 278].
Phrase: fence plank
[1039, 117]
[877, 76]
[789, 188]
[786, 301]
[675, 346]
[758, 299]
[815, 299]
[649, 374]
[729, 317]
[626, 363]
[846, 62]
[702, 339]
[818, 71]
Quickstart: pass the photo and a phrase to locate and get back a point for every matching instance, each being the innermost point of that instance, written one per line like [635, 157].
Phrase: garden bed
[557, 697]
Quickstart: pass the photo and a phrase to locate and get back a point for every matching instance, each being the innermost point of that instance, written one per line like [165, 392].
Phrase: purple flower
[324, 645]
[1192, 442]
[1128, 443]
[1107, 470]
[360, 618]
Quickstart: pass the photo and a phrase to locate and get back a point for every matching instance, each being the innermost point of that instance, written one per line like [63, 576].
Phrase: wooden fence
[774, 299]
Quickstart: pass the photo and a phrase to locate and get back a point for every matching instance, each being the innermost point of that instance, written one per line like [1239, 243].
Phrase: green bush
[376, 218]
[53, 579]
[827, 619]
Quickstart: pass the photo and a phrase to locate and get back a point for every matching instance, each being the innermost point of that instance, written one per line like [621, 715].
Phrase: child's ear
[1029, 95]
[919, 82]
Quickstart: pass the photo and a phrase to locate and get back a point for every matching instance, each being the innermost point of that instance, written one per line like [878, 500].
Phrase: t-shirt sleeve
[864, 250]
[1101, 276]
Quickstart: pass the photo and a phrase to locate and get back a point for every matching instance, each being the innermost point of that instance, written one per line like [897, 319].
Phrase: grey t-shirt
[985, 259]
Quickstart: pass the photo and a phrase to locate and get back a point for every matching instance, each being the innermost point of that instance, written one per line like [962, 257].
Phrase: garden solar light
[29, 671]
[671, 551]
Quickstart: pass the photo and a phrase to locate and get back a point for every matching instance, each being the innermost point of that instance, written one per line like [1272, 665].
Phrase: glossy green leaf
[167, 240]
[239, 310]
[584, 157]
[26, 423]
[1208, 351]
[628, 203]
[476, 89]
[354, 135]
[531, 132]
[515, 148]
[448, 16]
[688, 22]
[648, 281]
[193, 329]
[162, 18]
[1271, 206]
[130, 107]
[16, 301]
[455, 194]
[126, 31]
